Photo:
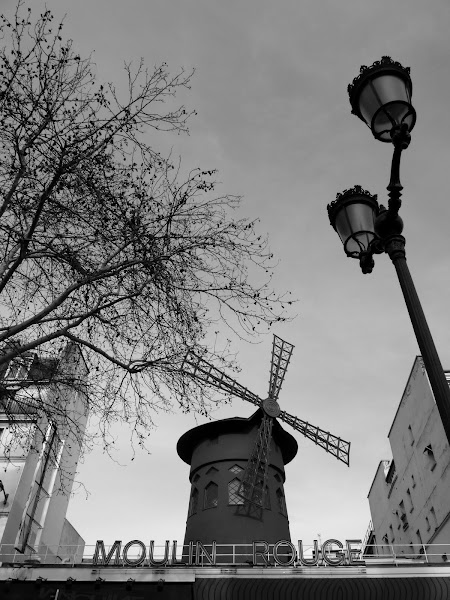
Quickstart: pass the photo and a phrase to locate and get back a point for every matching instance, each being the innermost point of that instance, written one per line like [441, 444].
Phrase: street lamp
[381, 97]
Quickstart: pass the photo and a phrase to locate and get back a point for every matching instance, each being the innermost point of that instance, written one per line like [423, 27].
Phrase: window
[403, 517]
[212, 471]
[408, 493]
[411, 437]
[392, 534]
[429, 454]
[196, 478]
[277, 477]
[193, 502]
[427, 521]
[36, 507]
[236, 469]
[433, 517]
[390, 477]
[18, 367]
[419, 537]
[28, 535]
[233, 496]
[281, 501]
[211, 495]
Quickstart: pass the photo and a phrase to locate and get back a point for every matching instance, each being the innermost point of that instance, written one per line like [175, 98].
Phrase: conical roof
[188, 441]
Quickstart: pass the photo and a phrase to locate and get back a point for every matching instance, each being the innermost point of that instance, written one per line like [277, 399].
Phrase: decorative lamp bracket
[401, 138]
[366, 261]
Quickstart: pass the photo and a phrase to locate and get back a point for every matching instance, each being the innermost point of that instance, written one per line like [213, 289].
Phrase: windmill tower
[237, 465]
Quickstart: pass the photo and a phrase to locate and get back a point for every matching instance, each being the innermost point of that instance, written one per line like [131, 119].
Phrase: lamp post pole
[381, 96]
[395, 247]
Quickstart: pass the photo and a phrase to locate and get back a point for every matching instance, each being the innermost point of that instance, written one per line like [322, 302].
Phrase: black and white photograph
[224, 300]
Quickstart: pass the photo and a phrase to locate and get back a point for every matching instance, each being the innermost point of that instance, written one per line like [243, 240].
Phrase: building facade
[410, 495]
[42, 421]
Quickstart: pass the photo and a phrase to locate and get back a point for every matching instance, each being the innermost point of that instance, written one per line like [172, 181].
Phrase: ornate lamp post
[381, 97]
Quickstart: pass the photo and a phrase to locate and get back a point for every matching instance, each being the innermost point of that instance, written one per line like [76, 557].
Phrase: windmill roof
[189, 440]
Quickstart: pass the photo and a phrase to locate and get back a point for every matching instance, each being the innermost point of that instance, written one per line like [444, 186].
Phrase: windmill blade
[199, 368]
[253, 485]
[330, 443]
[281, 355]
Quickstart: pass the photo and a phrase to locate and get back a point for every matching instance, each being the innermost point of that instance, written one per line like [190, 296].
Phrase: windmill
[253, 484]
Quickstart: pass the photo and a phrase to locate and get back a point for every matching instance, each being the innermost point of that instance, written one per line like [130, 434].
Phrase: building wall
[410, 496]
[71, 544]
[23, 465]
[10, 476]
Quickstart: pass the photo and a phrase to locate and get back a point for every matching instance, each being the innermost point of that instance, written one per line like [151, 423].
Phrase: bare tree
[103, 242]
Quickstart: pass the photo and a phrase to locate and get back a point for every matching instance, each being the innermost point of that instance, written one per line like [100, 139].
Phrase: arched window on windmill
[211, 497]
[193, 502]
[236, 469]
[233, 496]
[281, 501]
[234, 499]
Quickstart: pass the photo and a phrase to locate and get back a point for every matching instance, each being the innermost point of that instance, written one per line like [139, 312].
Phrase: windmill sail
[254, 480]
[330, 443]
[201, 369]
[281, 355]
[253, 484]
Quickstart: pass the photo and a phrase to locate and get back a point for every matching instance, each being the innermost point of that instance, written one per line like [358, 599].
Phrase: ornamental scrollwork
[357, 190]
[386, 61]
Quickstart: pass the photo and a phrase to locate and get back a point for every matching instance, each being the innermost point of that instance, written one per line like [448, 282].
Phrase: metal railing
[44, 555]
[369, 532]
[231, 555]
[406, 553]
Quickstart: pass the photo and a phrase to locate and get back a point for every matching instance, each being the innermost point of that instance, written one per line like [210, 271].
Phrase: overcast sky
[274, 118]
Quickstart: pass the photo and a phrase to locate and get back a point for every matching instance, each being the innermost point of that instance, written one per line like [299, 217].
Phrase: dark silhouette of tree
[106, 244]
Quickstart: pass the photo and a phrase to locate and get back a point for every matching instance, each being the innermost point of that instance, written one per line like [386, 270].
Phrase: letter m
[100, 550]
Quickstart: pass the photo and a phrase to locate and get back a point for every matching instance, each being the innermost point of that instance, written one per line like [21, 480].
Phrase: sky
[274, 119]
